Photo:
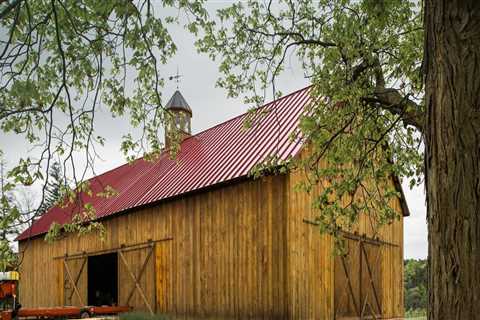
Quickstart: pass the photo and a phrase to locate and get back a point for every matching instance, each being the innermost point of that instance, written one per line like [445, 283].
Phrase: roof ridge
[245, 113]
[193, 136]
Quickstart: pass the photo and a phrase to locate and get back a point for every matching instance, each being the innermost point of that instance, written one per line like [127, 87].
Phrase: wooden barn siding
[227, 256]
[311, 265]
[391, 261]
[265, 262]
[392, 267]
[310, 261]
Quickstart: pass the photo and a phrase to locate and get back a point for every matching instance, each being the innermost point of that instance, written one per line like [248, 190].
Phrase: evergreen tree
[54, 186]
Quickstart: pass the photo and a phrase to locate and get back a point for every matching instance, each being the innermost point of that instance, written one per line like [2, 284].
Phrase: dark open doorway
[102, 279]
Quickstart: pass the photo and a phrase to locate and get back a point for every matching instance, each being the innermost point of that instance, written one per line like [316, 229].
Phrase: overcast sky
[210, 106]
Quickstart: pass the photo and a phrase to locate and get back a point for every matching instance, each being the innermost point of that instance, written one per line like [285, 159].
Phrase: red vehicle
[11, 309]
[62, 312]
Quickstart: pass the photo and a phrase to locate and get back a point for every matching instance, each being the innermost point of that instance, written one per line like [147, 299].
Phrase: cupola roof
[178, 102]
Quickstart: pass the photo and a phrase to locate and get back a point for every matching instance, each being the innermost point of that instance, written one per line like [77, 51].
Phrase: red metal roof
[224, 152]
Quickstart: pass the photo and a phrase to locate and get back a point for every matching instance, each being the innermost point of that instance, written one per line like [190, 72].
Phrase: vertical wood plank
[163, 275]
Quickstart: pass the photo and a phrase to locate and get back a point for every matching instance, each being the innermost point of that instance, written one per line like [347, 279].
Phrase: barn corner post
[452, 61]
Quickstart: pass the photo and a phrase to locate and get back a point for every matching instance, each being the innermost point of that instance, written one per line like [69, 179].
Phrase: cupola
[181, 115]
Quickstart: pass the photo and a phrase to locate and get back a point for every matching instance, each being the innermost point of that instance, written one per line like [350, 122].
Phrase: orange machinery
[8, 289]
[62, 312]
[10, 309]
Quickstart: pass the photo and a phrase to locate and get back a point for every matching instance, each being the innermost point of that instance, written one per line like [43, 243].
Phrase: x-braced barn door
[75, 281]
[358, 279]
[133, 280]
[137, 277]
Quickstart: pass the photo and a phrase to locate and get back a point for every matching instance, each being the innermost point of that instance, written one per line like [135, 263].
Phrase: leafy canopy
[62, 62]
[63, 59]
[364, 62]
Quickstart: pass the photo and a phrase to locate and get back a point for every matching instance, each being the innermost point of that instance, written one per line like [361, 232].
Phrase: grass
[147, 316]
[419, 314]
[142, 316]
[409, 315]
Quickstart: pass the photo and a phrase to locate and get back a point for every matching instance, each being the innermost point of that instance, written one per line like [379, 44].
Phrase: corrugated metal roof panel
[224, 152]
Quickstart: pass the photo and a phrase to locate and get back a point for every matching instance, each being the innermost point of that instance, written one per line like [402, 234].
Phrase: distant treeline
[416, 295]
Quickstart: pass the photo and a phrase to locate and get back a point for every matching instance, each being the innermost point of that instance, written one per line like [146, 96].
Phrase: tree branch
[390, 99]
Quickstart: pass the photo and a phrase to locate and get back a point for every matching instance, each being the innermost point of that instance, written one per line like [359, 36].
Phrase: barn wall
[386, 263]
[227, 256]
[392, 267]
[391, 260]
[309, 259]
[242, 250]
[312, 267]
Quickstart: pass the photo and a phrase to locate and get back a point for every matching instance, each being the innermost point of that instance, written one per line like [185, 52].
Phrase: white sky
[210, 106]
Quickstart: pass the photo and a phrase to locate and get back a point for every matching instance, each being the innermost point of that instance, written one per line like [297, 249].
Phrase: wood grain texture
[226, 257]
[238, 251]
[314, 285]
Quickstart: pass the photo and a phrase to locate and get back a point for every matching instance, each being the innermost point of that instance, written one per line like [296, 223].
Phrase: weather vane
[176, 77]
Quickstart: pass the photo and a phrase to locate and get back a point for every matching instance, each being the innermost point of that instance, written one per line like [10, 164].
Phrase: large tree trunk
[453, 157]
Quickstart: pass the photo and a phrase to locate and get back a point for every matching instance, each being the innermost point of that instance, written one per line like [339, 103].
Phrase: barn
[199, 237]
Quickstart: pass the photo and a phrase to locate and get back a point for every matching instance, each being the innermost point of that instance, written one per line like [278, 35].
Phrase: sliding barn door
[75, 276]
[136, 277]
[358, 280]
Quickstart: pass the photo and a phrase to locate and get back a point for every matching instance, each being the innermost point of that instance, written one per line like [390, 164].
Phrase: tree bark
[452, 159]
